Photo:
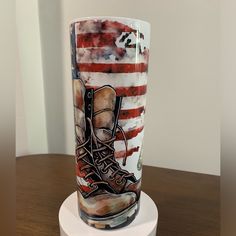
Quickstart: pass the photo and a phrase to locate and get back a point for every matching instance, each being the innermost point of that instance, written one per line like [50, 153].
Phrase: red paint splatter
[122, 154]
[129, 134]
[85, 188]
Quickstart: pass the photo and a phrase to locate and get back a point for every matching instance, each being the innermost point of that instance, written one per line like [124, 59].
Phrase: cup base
[140, 221]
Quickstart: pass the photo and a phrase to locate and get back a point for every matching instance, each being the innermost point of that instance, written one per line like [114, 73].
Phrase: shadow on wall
[50, 30]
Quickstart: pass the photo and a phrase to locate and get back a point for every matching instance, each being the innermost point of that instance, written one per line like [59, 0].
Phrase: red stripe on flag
[131, 113]
[112, 68]
[96, 40]
[129, 134]
[122, 154]
[91, 40]
[127, 91]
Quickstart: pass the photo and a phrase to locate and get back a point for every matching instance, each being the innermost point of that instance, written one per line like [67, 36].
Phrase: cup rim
[109, 17]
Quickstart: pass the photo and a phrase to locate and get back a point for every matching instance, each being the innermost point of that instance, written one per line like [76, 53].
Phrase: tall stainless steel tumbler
[109, 71]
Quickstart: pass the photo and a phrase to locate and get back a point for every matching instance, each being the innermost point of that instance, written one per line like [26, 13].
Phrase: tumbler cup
[109, 70]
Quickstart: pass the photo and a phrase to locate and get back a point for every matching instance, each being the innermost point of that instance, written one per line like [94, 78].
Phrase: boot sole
[116, 221]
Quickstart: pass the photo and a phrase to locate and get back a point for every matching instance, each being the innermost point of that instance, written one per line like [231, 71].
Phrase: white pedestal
[145, 223]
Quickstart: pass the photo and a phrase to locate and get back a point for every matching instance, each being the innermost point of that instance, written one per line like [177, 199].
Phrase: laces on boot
[88, 164]
[105, 151]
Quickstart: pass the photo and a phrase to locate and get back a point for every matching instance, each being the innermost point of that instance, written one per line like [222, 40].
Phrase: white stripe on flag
[130, 124]
[91, 26]
[114, 79]
[107, 55]
[133, 102]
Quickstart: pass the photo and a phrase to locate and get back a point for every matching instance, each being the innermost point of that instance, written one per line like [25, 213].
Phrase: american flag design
[113, 52]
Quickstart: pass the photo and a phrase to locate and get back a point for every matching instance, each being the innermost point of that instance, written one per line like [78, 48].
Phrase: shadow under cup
[109, 70]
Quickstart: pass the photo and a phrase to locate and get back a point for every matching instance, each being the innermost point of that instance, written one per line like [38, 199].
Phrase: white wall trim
[27, 19]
